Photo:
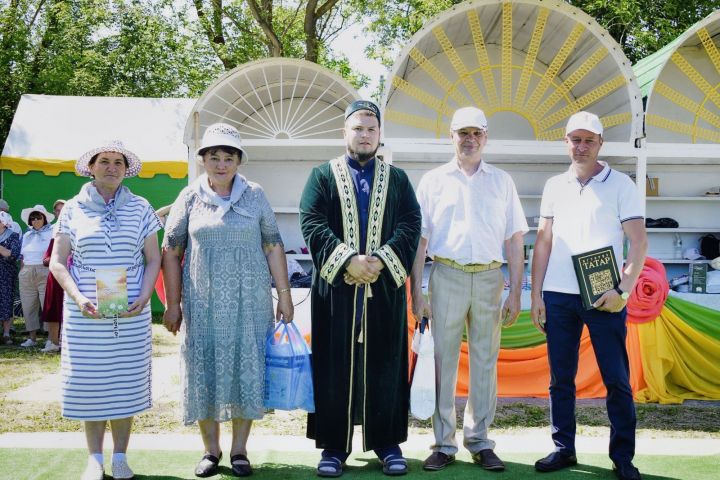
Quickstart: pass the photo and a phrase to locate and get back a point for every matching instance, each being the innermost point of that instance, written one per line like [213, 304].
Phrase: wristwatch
[623, 295]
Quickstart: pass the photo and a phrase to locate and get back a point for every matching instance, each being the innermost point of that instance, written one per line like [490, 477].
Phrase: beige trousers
[32, 281]
[459, 299]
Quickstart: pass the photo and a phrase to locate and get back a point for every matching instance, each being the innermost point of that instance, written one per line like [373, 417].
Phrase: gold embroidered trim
[348, 204]
[378, 197]
[393, 263]
[335, 262]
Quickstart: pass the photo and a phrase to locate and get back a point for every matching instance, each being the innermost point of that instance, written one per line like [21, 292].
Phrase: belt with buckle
[469, 268]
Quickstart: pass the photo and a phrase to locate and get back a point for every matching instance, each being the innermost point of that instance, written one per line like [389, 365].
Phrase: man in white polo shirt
[470, 211]
[588, 207]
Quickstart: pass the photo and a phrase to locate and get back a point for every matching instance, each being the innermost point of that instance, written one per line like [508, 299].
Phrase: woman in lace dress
[225, 229]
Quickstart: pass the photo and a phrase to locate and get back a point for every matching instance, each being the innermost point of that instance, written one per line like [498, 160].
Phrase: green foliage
[642, 27]
[99, 47]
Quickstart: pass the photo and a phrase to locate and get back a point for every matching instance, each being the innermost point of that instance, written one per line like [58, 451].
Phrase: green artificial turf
[63, 464]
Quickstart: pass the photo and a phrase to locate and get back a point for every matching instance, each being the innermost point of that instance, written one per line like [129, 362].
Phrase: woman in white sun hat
[224, 227]
[33, 274]
[105, 357]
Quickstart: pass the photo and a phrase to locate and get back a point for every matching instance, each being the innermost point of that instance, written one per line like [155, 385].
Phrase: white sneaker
[28, 343]
[121, 470]
[50, 347]
[93, 471]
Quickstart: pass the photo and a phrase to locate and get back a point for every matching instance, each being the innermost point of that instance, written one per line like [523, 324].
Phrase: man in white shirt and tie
[470, 211]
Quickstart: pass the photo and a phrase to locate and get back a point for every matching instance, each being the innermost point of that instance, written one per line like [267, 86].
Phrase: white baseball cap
[692, 253]
[468, 117]
[584, 121]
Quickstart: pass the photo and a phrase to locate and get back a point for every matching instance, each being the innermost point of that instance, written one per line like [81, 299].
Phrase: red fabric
[160, 287]
[52, 310]
[648, 297]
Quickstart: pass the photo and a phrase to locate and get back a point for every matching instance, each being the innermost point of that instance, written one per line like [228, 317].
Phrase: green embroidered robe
[330, 226]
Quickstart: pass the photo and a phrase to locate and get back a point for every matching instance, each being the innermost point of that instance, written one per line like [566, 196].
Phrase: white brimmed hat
[222, 135]
[6, 219]
[468, 117]
[25, 214]
[584, 121]
[116, 146]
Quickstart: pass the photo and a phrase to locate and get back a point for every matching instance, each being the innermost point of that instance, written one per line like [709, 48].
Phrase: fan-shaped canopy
[529, 64]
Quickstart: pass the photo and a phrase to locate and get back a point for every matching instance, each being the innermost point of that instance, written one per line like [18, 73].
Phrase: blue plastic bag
[288, 374]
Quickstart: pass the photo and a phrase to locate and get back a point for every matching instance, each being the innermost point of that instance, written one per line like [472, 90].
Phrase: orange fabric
[525, 372]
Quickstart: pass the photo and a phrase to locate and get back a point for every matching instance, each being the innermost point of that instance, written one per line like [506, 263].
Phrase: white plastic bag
[422, 389]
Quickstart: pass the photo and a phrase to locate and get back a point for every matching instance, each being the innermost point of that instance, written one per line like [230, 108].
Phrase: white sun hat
[467, 117]
[25, 214]
[6, 219]
[584, 121]
[222, 135]
[116, 146]
[715, 263]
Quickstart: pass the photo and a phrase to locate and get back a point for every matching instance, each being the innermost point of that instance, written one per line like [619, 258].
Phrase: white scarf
[91, 199]
[202, 187]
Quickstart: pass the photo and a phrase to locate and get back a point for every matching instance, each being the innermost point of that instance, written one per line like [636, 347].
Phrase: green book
[597, 272]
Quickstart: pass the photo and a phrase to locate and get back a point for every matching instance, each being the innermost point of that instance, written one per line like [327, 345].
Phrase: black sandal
[207, 466]
[241, 465]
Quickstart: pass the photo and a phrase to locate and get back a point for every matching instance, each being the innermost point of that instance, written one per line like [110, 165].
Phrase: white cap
[6, 219]
[584, 121]
[692, 253]
[468, 117]
[222, 135]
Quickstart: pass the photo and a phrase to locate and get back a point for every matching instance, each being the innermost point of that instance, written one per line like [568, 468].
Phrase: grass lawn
[273, 465]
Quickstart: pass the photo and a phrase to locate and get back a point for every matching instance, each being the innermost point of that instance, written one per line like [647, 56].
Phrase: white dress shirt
[468, 218]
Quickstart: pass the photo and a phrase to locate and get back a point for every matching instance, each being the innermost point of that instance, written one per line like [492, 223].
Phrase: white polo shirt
[586, 218]
[467, 219]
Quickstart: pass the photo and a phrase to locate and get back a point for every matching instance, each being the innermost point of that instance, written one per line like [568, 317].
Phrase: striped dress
[106, 367]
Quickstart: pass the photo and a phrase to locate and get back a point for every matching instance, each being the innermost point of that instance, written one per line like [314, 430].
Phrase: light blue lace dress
[227, 303]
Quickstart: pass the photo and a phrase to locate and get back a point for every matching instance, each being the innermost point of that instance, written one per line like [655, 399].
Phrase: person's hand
[136, 307]
[610, 301]
[363, 269]
[421, 308]
[87, 308]
[285, 308]
[511, 309]
[537, 313]
[172, 318]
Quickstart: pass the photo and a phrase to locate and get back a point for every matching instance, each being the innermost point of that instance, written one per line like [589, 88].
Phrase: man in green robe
[361, 221]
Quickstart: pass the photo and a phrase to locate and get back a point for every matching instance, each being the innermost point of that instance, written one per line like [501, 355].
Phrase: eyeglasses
[35, 217]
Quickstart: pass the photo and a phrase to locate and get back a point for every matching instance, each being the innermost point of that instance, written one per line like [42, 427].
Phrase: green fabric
[522, 334]
[34, 188]
[702, 319]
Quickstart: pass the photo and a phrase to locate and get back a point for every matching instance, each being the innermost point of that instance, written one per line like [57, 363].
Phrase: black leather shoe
[488, 460]
[438, 461]
[555, 461]
[626, 471]
[207, 466]
[241, 465]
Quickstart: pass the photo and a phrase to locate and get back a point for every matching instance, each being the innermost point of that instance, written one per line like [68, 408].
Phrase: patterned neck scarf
[202, 187]
[91, 199]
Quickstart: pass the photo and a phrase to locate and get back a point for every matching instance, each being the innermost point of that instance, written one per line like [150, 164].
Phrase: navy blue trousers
[565, 317]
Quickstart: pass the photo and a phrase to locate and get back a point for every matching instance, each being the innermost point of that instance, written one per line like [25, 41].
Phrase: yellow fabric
[679, 362]
[150, 168]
